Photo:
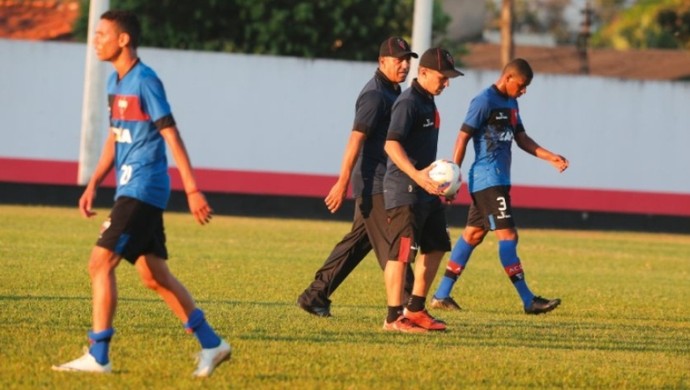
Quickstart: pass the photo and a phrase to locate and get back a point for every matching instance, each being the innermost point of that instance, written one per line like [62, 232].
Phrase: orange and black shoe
[424, 320]
[402, 324]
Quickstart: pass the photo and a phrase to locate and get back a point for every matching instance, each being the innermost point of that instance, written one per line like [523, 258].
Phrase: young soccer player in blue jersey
[493, 122]
[141, 124]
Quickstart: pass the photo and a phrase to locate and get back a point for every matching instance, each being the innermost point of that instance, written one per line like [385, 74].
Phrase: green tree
[338, 29]
[647, 24]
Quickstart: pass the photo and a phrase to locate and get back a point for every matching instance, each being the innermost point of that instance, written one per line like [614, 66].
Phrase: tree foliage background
[663, 24]
[338, 29]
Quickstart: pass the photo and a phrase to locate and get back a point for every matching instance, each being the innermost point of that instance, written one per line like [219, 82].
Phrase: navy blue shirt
[372, 117]
[414, 124]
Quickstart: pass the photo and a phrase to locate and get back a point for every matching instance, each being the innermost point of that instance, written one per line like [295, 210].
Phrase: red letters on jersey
[127, 108]
[513, 117]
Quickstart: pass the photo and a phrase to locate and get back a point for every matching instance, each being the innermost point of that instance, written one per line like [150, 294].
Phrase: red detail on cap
[127, 108]
[514, 269]
[404, 250]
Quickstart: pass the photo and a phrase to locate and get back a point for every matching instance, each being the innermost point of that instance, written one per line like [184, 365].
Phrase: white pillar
[94, 115]
[421, 32]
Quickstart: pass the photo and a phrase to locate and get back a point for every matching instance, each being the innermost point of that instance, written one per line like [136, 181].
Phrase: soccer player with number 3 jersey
[493, 122]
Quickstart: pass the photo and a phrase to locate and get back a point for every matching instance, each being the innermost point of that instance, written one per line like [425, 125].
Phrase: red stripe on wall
[295, 184]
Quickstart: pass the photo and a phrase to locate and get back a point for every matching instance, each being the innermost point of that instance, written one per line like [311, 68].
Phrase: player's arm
[463, 138]
[105, 164]
[530, 146]
[399, 157]
[196, 200]
[337, 194]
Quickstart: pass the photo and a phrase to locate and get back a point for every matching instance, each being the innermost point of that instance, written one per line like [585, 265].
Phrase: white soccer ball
[446, 173]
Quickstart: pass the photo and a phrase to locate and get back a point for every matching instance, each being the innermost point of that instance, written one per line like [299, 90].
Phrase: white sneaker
[209, 358]
[86, 363]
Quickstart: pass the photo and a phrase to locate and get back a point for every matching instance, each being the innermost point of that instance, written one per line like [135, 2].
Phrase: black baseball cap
[396, 47]
[440, 60]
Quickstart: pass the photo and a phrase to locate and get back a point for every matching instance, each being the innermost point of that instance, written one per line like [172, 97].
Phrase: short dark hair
[127, 22]
[521, 67]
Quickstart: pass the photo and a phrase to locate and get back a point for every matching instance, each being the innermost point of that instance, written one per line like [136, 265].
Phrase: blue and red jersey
[138, 111]
[492, 120]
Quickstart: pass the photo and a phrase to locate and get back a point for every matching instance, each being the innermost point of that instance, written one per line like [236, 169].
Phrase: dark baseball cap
[396, 47]
[440, 60]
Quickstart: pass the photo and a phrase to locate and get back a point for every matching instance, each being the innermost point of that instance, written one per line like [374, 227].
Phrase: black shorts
[134, 228]
[421, 226]
[491, 209]
[373, 214]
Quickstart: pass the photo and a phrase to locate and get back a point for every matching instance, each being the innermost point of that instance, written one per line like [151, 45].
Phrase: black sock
[416, 303]
[393, 313]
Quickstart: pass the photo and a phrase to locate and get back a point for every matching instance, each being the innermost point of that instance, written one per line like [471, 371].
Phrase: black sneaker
[447, 303]
[319, 311]
[541, 305]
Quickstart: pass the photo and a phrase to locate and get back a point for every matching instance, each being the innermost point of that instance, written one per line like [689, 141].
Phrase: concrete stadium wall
[278, 126]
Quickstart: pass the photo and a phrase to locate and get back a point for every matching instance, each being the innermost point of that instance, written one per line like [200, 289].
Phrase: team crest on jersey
[122, 106]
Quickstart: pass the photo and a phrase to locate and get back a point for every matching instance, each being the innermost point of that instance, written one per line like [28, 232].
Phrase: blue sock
[459, 257]
[202, 330]
[507, 251]
[100, 344]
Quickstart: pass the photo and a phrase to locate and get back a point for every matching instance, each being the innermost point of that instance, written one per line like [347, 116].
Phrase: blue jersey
[138, 111]
[492, 120]
[415, 124]
[372, 117]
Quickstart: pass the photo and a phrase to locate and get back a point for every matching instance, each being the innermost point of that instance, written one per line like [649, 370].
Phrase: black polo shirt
[372, 117]
[414, 123]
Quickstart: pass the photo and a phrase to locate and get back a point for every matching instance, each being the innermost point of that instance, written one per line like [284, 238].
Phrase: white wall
[293, 115]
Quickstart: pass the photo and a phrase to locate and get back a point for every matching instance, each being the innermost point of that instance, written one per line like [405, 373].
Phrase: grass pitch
[624, 321]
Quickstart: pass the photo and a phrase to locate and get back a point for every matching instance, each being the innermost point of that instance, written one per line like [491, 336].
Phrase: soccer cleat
[541, 305]
[424, 320]
[402, 324]
[319, 311]
[209, 358]
[447, 303]
[86, 363]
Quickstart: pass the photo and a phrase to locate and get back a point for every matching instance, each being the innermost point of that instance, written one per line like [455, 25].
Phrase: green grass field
[624, 321]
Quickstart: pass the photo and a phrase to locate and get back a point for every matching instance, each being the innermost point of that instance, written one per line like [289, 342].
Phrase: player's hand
[199, 207]
[86, 202]
[429, 185]
[336, 196]
[559, 162]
